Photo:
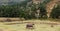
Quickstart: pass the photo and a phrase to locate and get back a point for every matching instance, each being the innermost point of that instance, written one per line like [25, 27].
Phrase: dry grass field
[21, 26]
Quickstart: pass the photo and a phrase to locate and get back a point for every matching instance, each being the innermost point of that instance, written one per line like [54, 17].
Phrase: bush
[56, 12]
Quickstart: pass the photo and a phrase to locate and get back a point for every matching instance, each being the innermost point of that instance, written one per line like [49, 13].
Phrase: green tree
[56, 12]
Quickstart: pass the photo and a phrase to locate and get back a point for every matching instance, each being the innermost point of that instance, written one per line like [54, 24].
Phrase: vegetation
[28, 12]
[56, 12]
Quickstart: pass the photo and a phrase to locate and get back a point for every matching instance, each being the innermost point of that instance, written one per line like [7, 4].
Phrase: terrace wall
[12, 19]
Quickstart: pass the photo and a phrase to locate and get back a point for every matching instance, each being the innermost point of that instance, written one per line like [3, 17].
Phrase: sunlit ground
[22, 27]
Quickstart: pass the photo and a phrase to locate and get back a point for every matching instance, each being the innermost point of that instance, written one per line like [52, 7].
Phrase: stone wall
[12, 19]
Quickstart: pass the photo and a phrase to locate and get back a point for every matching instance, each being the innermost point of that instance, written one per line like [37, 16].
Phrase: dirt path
[43, 22]
[35, 22]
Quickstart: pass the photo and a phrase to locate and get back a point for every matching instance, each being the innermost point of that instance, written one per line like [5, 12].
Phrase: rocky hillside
[51, 5]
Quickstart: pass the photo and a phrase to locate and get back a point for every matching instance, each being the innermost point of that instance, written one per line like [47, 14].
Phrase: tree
[56, 11]
[43, 12]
